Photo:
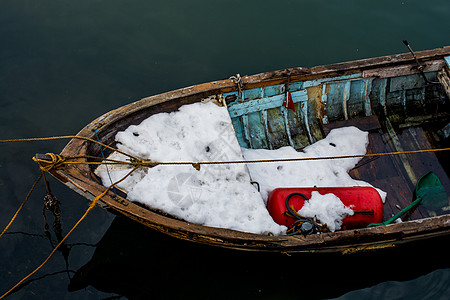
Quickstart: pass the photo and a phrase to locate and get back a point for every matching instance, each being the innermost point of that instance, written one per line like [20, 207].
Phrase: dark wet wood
[370, 124]
[397, 174]
[382, 172]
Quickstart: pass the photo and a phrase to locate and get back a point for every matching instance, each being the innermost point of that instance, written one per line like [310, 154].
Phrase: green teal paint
[382, 94]
[304, 114]
[239, 129]
[262, 122]
[366, 96]
[345, 98]
[285, 112]
[246, 130]
[246, 107]
[447, 61]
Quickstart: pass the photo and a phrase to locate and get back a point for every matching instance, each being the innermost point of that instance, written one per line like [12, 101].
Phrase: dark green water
[63, 63]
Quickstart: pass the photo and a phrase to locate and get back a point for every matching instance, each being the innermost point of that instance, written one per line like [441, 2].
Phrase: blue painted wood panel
[239, 129]
[257, 131]
[261, 121]
[246, 107]
[337, 93]
[447, 61]
[358, 104]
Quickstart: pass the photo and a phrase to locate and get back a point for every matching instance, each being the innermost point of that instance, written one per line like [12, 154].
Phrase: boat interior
[400, 113]
[402, 107]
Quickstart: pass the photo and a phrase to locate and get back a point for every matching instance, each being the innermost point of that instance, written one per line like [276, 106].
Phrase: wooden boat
[401, 100]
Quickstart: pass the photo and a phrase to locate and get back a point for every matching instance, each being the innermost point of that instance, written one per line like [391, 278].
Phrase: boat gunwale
[80, 177]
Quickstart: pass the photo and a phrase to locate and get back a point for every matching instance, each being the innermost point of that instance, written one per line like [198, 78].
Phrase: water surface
[63, 63]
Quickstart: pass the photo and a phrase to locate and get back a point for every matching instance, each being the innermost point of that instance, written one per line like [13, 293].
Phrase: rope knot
[49, 161]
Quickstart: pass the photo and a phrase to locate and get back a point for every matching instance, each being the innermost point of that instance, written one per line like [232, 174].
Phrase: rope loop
[240, 84]
[45, 165]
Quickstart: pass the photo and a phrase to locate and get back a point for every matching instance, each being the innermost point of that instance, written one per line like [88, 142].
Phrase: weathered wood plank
[444, 80]
[401, 83]
[398, 197]
[335, 92]
[422, 163]
[336, 79]
[257, 132]
[359, 104]
[277, 128]
[430, 66]
[239, 130]
[382, 172]
[297, 120]
[369, 123]
[383, 60]
[304, 73]
[260, 104]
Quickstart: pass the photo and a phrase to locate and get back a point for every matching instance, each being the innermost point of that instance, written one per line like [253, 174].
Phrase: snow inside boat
[363, 108]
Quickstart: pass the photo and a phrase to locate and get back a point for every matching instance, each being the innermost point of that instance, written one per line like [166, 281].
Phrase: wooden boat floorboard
[396, 174]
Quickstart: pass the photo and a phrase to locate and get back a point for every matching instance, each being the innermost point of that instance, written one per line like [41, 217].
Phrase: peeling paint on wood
[315, 111]
[447, 61]
[345, 98]
[257, 131]
[406, 82]
[321, 81]
[260, 104]
[277, 128]
[388, 72]
[304, 115]
[366, 97]
[266, 128]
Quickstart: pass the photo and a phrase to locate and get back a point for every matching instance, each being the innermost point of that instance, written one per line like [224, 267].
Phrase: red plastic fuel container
[364, 201]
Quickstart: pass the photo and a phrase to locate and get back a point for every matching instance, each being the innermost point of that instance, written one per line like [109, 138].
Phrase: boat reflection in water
[137, 262]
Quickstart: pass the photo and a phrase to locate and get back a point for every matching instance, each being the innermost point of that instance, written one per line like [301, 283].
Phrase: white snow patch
[328, 209]
[217, 195]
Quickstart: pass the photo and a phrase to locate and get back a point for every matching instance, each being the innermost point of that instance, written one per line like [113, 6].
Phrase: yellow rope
[197, 164]
[21, 206]
[57, 160]
[91, 206]
[67, 137]
[61, 161]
